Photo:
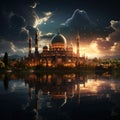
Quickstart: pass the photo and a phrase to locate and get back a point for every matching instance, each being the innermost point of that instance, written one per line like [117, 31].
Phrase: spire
[36, 42]
[36, 34]
[78, 36]
[58, 31]
[30, 45]
[77, 43]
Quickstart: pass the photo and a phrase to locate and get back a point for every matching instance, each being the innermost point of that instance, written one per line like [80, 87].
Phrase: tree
[5, 59]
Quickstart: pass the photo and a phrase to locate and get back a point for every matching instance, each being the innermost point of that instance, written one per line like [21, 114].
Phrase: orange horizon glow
[90, 51]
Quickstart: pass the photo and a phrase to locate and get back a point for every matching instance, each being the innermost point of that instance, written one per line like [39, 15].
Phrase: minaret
[77, 42]
[36, 42]
[58, 31]
[30, 45]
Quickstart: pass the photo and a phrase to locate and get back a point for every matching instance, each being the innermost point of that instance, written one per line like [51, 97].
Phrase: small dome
[45, 47]
[58, 38]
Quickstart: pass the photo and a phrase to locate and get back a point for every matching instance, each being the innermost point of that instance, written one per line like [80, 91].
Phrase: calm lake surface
[83, 96]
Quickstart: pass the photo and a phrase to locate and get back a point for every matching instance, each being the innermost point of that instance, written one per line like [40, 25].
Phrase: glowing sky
[98, 25]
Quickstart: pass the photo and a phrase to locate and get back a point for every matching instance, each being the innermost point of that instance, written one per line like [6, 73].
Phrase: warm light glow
[90, 51]
[107, 39]
[74, 49]
[94, 47]
[39, 21]
[94, 87]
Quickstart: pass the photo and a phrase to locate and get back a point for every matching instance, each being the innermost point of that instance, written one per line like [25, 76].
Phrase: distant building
[57, 53]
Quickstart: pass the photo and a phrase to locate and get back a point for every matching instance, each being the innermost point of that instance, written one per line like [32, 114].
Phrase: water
[83, 96]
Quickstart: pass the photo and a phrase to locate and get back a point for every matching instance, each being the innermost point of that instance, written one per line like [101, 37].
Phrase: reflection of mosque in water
[56, 90]
[57, 86]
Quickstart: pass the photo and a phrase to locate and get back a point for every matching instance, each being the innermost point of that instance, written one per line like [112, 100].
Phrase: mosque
[58, 53]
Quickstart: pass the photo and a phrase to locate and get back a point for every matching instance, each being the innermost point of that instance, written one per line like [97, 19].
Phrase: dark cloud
[5, 46]
[24, 33]
[80, 22]
[19, 21]
[115, 36]
[15, 16]
[111, 44]
[16, 29]
[32, 31]
[115, 25]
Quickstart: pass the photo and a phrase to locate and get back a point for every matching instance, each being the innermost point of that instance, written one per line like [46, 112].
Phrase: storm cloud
[17, 22]
[111, 44]
[81, 23]
[79, 20]
[20, 19]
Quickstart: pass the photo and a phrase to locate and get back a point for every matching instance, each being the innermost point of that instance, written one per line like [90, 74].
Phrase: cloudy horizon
[98, 25]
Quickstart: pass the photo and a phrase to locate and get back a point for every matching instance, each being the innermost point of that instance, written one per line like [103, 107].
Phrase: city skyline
[98, 25]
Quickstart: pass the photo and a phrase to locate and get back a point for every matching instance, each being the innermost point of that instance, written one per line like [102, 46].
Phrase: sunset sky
[96, 21]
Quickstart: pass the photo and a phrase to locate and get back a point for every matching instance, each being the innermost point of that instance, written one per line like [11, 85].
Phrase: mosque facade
[58, 53]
